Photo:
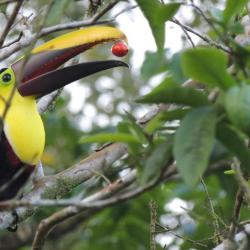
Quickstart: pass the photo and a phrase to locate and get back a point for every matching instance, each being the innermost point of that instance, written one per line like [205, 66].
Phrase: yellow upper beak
[90, 36]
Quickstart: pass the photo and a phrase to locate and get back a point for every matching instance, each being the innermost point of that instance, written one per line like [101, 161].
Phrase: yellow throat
[23, 125]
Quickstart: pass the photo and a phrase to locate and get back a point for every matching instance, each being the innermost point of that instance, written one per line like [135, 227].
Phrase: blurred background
[98, 103]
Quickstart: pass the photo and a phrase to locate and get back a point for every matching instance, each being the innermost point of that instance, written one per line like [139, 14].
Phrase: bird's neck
[24, 128]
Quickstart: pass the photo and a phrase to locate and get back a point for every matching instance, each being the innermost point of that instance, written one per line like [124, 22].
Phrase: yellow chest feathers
[24, 129]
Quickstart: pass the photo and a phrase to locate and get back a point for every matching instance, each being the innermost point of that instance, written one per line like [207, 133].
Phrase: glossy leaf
[157, 14]
[158, 158]
[132, 128]
[154, 63]
[208, 66]
[234, 142]
[237, 104]
[169, 92]
[193, 143]
[56, 11]
[232, 8]
[159, 120]
[176, 69]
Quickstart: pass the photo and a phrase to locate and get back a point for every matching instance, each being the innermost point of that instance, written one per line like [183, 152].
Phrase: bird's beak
[40, 76]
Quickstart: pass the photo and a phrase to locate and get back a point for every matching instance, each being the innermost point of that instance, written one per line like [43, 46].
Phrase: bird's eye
[6, 78]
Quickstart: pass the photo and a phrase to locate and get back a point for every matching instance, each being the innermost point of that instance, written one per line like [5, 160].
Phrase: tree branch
[201, 36]
[51, 187]
[94, 201]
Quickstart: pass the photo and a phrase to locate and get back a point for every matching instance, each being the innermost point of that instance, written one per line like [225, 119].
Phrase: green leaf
[232, 8]
[237, 104]
[157, 14]
[236, 28]
[169, 92]
[138, 132]
[229, 172]
[159, 120]
[193, 143]
[176, 70]
[159, 157]
[123, 127]
[56, 11]
[110, 137]
[234, 142]
[154, 63]
[132, 128]
[207, 65]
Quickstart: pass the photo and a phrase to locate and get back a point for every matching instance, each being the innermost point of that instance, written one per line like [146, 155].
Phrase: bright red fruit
[119, 49]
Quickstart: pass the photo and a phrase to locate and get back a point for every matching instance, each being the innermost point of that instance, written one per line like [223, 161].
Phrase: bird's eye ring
[6, 78]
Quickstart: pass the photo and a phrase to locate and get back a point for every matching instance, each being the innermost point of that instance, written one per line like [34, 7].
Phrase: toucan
[29, 78]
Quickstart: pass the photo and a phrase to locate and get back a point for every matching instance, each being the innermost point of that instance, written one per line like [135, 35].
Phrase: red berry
[119, 49]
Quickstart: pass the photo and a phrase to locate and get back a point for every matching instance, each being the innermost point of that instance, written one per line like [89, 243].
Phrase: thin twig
[107, 8]
[203, 37]
[14, 41]
[124, 11]
[153, 220]
[47, 101]
[98, 173]
[209, 22]
[10, 21]
[241, 180]
[166, 229]
[244, 222]
[185, 32]
[236, 214]
[214, 216]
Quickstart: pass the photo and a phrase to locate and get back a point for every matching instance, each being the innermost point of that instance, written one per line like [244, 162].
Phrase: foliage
[205, 124]
[204, 130]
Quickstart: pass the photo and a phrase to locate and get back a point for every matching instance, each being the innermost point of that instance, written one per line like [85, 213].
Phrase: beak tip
[125, 65]
[122, 64]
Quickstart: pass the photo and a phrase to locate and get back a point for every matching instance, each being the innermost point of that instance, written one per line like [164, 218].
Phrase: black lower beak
[53, 80]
